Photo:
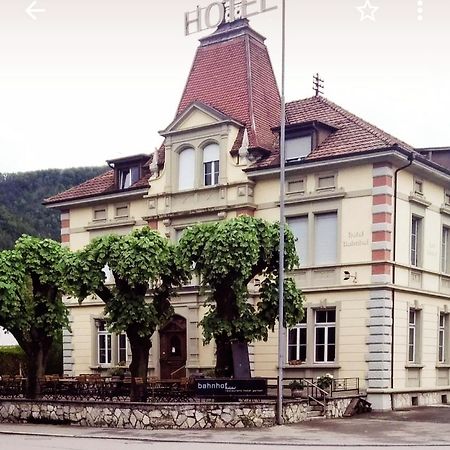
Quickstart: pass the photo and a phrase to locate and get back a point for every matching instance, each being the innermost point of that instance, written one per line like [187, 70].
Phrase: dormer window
[298, 147]
[128, 176]
[129, 170]
[211, 154]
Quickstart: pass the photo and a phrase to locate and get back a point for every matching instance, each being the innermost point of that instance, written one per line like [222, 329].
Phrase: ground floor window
[297, 342]
[443, 338]
[325, 335]
[413, 335]
[112, 349]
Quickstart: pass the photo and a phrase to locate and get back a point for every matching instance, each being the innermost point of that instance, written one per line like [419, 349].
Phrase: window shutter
[211, 153]
[299, 227]
[325, 238]
[299, 147]
[186, 168]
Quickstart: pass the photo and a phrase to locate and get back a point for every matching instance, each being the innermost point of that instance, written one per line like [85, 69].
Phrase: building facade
[370, 213]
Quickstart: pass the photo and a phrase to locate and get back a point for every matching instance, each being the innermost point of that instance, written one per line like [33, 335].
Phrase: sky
[91, 80]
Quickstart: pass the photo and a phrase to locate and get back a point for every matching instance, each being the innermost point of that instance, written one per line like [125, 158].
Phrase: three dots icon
[420, 10]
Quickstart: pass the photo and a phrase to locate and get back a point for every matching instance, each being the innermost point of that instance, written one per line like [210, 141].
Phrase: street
[416, 428]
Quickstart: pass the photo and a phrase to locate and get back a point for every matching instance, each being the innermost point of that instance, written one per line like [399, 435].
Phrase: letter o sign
[221, 11]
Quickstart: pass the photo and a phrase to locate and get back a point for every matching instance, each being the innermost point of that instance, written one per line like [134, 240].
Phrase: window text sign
[217, 12]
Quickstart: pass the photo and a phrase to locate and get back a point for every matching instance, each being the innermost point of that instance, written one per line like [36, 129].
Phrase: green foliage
[141, 259]
[21, 196]
[228, 255]
[31, 284]
[12, 358]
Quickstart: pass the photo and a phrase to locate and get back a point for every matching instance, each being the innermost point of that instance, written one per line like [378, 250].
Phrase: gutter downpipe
[411, 158]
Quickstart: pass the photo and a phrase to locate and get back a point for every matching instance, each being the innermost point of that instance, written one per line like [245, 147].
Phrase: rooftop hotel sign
[217, 12]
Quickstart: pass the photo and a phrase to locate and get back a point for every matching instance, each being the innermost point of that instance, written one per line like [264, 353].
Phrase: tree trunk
[224, 357]
[227, 310]
[140, 348]
[37, 362]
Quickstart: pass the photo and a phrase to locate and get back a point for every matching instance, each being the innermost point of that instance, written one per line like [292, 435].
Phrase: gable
[195, 118]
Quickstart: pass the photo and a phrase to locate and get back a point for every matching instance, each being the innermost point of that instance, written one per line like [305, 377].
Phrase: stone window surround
[310, 311]
[323, 175]
[99, 209]
[446, 331]
[416, 260]
[123, 206]
[95, 364]
[311, 210]
[199, 168]
[417, 363]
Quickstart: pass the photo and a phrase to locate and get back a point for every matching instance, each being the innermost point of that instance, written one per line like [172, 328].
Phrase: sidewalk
[418, 427]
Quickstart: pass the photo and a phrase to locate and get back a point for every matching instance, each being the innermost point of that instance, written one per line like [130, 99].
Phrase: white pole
[281, 329]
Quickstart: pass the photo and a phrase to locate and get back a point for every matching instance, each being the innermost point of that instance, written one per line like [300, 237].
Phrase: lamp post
[281, 329]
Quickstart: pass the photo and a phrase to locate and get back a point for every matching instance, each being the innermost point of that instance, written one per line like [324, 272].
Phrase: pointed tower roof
[232, 73]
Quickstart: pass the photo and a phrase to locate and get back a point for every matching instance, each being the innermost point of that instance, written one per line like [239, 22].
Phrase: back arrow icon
[31, 10]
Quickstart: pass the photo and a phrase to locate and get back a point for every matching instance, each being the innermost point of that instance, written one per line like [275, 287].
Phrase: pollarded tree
[31, 307]
[228, 255]
[146, 276]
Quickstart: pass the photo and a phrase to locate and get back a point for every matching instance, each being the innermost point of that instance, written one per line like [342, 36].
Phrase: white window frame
[128, 176]
[104, 334]
[298, 342]
[445, 256]
[416, 240]
[211, 164]
[412, 335]
[326, 326]
[442, 336]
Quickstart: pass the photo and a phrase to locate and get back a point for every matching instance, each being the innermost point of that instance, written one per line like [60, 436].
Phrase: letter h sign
[223, 11]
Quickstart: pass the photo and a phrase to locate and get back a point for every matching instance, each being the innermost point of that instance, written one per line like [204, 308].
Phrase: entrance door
[172, 349]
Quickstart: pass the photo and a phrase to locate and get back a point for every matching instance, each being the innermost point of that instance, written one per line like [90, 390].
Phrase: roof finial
[318, 85]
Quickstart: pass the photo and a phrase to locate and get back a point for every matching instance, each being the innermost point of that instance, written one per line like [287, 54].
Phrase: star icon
[368, 11]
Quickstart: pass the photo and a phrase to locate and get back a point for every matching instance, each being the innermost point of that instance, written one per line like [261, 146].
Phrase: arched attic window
[211, 155]
[186, 169]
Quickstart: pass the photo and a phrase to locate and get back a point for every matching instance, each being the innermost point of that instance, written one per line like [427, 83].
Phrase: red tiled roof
[100, 185]
[353, 134]
[232, 73]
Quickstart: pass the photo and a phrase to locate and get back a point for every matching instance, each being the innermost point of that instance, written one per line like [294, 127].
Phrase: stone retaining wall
[159, 416]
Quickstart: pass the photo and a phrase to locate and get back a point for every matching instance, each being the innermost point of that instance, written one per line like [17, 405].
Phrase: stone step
[315, 414]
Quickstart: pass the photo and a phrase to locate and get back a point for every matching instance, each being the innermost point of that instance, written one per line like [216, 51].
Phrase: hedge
[12, 360]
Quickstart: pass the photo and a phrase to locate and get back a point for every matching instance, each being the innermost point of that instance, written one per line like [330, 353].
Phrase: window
[104, 343]
[418, 187]
[186, 169]
[442, 338]
[326, 182]
[416, 231]
[298, 148]
[296, 186]
[122, 348]
[128, 176]
[297, 342]
[325, 335]
[412, 336]
[122, 211]
[445, 262]
[325, 238]
[299, 227]
[447, 198]
[99, 213]
[211, 154]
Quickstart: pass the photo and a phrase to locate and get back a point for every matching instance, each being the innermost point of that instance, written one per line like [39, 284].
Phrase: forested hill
[21, 196]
